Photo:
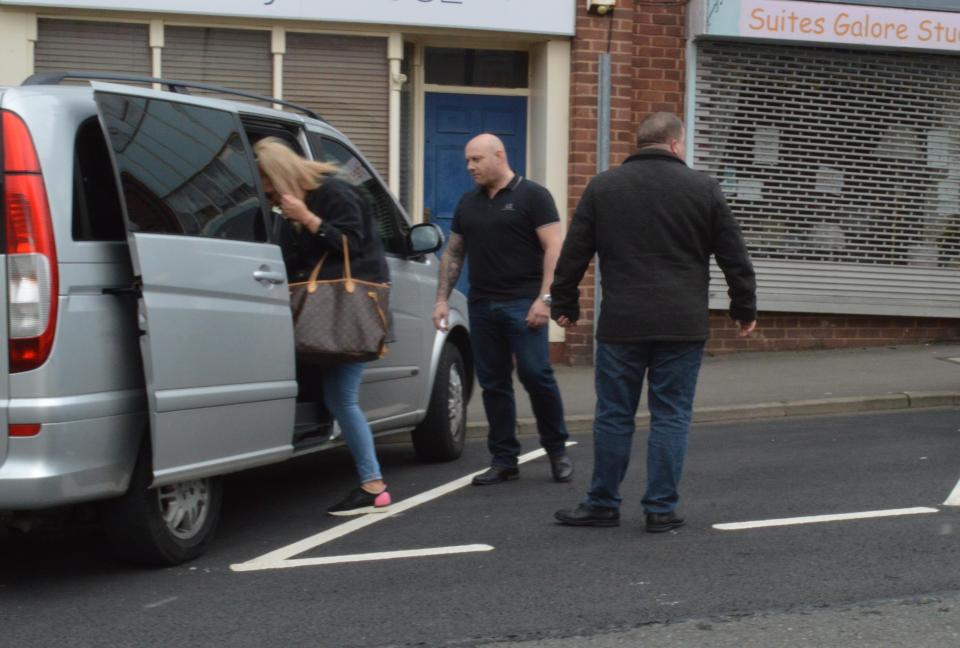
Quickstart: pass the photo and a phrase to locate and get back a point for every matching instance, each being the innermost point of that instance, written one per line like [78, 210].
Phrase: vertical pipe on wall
[690, 98]
[603, 112]
[156, 50]
[397, 79]
[31, 55]
[418, 107]
[604, 91]
[278, 48]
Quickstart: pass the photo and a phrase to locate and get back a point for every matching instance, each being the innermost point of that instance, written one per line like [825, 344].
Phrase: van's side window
[97, 215]
[390, 221]
[184, 169]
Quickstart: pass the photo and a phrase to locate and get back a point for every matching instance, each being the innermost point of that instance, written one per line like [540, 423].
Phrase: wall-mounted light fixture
[601, 7]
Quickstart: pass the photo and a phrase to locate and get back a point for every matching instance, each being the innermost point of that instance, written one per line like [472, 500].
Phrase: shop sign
[555, 17]
[843, 24]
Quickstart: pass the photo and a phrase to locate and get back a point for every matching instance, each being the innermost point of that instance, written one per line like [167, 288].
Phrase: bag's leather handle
[350, 285]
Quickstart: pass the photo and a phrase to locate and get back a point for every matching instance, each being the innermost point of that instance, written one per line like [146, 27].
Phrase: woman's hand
[296, 210]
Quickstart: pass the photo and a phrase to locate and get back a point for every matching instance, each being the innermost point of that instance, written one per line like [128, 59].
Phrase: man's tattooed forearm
[451, 264]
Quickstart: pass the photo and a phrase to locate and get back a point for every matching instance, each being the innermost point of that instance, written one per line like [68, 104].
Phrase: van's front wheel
[162, 526]
[441, 435]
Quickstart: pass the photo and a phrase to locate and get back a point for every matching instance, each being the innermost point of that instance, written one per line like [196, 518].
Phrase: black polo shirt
[503, 249]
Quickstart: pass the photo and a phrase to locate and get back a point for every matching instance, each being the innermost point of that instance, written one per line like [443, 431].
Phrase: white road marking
[285, 553]
[954, 499]
[813, 519]
[159, 603]
[352, 558]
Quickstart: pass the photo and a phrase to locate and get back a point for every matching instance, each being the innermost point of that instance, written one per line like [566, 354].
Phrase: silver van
[149, 334]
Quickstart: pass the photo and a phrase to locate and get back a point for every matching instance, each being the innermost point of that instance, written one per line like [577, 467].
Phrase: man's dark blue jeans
[671, 369]
[499, 333]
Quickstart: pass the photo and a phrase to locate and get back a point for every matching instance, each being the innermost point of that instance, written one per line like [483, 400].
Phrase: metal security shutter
[86, 45]
[345, 79]
[239, 59]
[843, 168]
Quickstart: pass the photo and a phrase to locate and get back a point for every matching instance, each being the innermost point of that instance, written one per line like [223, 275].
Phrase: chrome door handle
[268, 276]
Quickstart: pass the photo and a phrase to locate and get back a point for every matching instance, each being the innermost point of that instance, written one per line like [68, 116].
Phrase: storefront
[408, 81]
[835, 132]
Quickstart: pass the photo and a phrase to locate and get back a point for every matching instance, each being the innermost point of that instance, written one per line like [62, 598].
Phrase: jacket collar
[653, 154]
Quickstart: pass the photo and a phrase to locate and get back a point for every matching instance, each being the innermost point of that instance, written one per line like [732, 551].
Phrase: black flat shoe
[561, 466]
[585, 515]
[660, 522]
[495, 475]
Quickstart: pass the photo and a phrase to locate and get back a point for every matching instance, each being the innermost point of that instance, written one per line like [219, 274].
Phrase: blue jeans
[499, 333]
[671, 369]
[341, 395]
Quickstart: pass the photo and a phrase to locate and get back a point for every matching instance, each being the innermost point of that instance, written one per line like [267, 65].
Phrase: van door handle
[268, 276]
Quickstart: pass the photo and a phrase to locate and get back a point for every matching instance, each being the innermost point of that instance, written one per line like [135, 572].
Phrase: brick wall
[647, 43]
[796, 331]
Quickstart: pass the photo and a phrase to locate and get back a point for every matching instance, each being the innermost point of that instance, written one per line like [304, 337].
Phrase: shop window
[477, 68]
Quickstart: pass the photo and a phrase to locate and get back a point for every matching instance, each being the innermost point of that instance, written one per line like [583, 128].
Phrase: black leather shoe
[562, 467]
[660, 522]
[495, 475]
[585, 515]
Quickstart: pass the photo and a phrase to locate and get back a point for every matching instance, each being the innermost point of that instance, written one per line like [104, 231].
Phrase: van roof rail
[55, 78]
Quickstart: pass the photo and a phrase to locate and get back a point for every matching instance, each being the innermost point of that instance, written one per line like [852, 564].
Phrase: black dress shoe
[660, 522]
[495, 475]
[562, 467]
[585, 515]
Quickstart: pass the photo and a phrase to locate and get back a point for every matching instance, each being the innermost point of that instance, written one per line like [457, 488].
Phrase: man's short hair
[659, 128]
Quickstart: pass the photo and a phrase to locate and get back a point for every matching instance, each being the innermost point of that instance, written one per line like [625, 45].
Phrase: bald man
[509, 228]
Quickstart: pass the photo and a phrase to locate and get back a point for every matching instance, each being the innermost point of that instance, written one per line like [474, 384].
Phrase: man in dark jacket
[653, 222]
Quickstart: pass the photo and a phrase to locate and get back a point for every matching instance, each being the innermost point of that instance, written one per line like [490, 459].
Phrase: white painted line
[353, 558]
[954, 499]
[361, 522]
[813, 519]
[163, 602]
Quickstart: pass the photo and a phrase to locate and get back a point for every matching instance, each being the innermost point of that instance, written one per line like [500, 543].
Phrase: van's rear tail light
[32, 280]
[24, 429]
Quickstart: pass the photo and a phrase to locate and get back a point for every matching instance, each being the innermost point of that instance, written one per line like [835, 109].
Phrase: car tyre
[164, 526]
[441, 435]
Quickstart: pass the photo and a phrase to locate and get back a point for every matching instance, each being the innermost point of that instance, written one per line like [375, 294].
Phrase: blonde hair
[288, 171]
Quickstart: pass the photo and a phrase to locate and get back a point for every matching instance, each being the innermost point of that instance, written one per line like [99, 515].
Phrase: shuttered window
[238, 59]
[344, 79]
[843, 167]
[92, 46]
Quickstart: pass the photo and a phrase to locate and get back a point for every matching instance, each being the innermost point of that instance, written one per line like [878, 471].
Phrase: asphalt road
[522, 578]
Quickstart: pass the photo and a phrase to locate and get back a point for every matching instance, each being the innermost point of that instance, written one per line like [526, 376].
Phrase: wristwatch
[546, 299]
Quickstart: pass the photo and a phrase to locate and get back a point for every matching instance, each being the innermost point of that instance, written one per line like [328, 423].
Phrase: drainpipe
[397, 79]
[603, 163]
[278, 48]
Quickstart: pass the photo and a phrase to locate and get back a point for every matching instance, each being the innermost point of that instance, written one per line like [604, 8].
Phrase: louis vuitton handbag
[340, 320]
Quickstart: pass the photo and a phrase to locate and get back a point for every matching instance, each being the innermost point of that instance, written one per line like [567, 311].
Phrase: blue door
[452, 120]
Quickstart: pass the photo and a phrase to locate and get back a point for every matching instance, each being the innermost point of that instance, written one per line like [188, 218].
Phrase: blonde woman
[318, 209]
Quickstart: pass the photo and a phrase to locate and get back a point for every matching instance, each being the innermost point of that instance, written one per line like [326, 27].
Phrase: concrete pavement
[762, 385]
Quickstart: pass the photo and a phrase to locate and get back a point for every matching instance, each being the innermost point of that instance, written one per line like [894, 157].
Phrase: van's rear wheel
[441, 435]
[161, 526]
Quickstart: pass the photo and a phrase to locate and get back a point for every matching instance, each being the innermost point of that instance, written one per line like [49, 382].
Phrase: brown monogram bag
[340, 320]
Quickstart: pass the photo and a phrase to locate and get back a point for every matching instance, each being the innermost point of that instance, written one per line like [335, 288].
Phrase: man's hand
[538, 315]
[565, 322]
[441, 316]
[746, 328]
